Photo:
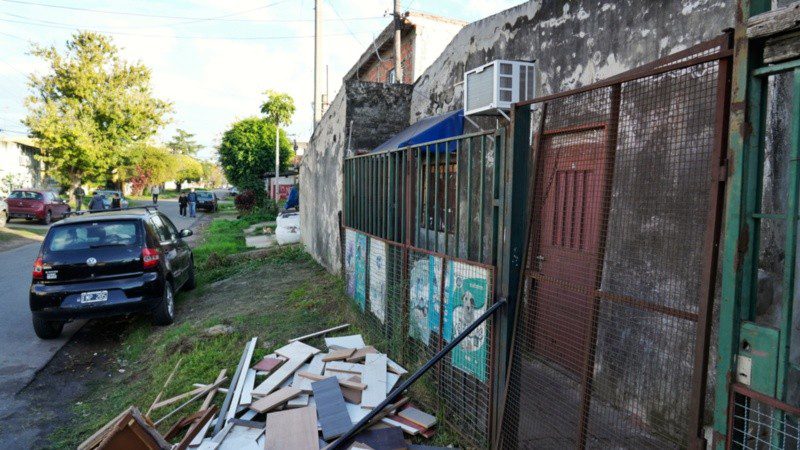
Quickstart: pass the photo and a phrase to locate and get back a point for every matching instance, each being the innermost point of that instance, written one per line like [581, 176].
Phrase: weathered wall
[375, 112]
[575, 43]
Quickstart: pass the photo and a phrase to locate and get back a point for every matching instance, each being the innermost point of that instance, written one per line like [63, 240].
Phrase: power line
[347, 27]
[122, 33]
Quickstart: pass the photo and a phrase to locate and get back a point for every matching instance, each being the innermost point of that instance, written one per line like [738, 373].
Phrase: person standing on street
[155, 190]
[192, 198]
[115, 202]
[182, 203]
[97, 203]
[79, 193]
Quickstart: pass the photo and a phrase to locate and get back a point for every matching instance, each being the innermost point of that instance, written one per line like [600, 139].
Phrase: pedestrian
[115, 201]
[155, 190]
[96, 204]
[79, 193]
[192, 198]
[183, 201]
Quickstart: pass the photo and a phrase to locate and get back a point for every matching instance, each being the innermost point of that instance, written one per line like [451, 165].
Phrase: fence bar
[481, 240]
[436, 200]
[446, 197]
[427, 188]
[468, 196]
[457, 200]
[413, 378]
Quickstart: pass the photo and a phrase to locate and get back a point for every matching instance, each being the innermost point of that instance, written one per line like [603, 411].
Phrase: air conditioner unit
[494, 86]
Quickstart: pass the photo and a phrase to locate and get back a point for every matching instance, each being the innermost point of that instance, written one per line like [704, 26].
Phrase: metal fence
[758, 421]
[419, 252]
[611, 341]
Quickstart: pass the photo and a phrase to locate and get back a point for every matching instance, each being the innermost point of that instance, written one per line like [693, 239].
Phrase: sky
[212, 59]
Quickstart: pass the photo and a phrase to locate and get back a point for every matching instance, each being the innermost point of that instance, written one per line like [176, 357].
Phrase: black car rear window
[86, 235]
[204, 195]
[21, 195]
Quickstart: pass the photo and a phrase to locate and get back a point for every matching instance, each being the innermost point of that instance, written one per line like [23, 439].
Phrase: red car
[31, 204]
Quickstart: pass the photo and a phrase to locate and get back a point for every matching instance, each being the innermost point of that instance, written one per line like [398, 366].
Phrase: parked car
[40, 205]
[108, 195]
[207, 200]
[3, 213]
[108, 263]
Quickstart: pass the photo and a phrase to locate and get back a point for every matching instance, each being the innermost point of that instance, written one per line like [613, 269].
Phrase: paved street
[23, 354]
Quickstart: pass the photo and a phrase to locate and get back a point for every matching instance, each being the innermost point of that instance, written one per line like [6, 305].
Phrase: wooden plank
[299, 401]
[428, 433]
[352, 395]
[781, 48]
[420, 418]
[345, 383]
[776, 21]
[333, 416]
[212, 392]
[198, 395]
[177, 398]
[275, 399]
[406, 428]
[249, 384]
[361, 353]
[374, 377]
[198, 429]
[391, 380]
[315, 366]
[268, 364]
[169, 378]
[237, 392]
[353, 341]
[241, 438]
[395, 368]
[340, 366]
[356, 412]
[280, 375]
[198, 439]
[292, 429]
[296, 349]
[320, 333]
[338, 355]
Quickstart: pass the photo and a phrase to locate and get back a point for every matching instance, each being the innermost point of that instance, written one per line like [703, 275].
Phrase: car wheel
[48, 217]
[165, 311]
[47, 329]
[3, 218]
[191, 283]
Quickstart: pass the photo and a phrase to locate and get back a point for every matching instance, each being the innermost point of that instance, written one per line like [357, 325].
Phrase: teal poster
[424, 298]
[377, 279]
[466, 298]
[360, 270]
[350, 262]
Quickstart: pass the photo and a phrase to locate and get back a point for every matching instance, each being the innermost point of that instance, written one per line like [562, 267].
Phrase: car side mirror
[186, 233]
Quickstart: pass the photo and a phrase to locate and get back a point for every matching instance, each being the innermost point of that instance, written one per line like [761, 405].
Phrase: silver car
[108, 195]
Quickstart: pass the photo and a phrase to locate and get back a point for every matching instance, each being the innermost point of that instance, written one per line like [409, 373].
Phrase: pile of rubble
[295, 398]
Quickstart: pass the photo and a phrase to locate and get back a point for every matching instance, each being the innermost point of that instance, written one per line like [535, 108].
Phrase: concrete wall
[19, 166]
[375, 111]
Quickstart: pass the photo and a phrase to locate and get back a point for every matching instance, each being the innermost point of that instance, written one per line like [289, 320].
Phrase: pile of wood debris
[295, 398]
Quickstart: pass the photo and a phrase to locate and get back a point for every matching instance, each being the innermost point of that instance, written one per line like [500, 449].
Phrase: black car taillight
[38, 269]
[150, 258]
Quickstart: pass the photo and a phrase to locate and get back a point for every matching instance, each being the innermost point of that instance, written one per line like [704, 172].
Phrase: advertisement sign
[424, 298]
[350, 262]
[377, 279]
[360, 270]
[466, 298]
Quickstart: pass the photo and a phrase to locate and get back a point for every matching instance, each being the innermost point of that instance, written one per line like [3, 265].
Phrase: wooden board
[345, 383]
[299, 401]
[420, 418]
[406, 428]
[361, 353]
[332, 409]
[237, 393]
[389, 438]
[391, 380]
[280, 375]
[395, 368]
[338, 355]
[241, 438]
[356, 412]
[340, 366]
[315, 366]
[411, 427]
[296, 349]
[319, 333]
[374, 377]
[275, 399]
[292, 429]
[353, 341]
[352, 395]
[249, 384]
[268, 364]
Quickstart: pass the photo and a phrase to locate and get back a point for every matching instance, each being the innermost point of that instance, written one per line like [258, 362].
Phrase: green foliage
[183, 143]
[247, 152]
[88, 105]
[212, 174]
[144, 165]
[278, 108]
[187, 169]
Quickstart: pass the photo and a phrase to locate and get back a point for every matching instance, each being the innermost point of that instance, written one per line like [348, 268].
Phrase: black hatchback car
[107, 263]
[207, 200]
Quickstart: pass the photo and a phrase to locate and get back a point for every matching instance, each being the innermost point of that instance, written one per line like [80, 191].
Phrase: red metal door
[565, 258]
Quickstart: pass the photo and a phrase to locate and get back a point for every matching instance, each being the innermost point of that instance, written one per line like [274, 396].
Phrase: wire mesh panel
[604, 352]
[760, 422]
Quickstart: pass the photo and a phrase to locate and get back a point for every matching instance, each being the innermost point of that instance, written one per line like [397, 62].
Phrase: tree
[247, 152]
[187, 169]
[183, 143]
[89, 105]
[145, 165]
[278, 108]
[212, 174]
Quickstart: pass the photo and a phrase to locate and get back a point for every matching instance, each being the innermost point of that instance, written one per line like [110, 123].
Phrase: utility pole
[398, 59]
[277, 161]
[318, 80]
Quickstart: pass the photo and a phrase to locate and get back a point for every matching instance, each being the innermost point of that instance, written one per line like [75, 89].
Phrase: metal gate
[610, 347]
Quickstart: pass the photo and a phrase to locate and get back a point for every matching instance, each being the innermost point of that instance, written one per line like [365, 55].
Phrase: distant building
[19, 167]
[424, 37]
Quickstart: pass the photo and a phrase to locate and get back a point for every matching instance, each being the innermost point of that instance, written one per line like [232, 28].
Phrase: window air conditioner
[496, 85]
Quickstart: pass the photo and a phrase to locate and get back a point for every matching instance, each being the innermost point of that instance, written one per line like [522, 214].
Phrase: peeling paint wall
[375, 112]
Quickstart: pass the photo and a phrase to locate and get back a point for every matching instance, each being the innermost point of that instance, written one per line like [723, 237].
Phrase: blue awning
[432, 128]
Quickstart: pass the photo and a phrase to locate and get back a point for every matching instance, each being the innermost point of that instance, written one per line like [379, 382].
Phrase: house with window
[19, 167]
